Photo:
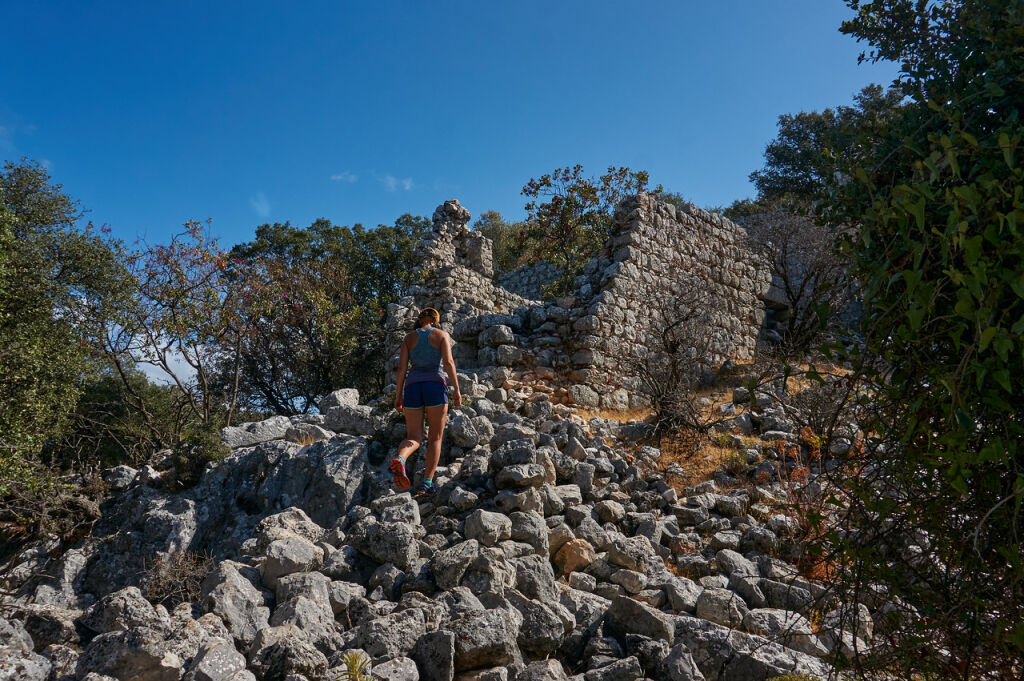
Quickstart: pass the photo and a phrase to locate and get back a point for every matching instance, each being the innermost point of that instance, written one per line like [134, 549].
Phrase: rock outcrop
[553, 548]
[548, 552]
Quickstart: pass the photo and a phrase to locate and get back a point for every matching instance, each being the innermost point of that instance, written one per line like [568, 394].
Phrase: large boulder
[249, 434]
[20, 665]
[392, 636]
[486, 639]
[313, 617]
[783, 626]
[291, 522]
[233, 598]
[137, 653]
[462, 431]
[119, 611]
[547, 670]
[346, 397]
[434, 654]
[721, 606]
[278, 652]
[219, 514]
[451, 564]
[289, 555]
[575, 554]
[627, 616]
[217, 660]
[723, 654]
[544, 625]
[355, 420]
[487, 527]
[386, 542]
[14, 636]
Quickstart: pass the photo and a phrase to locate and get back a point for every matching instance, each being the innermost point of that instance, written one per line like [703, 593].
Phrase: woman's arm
[403, 365]
[449, 368]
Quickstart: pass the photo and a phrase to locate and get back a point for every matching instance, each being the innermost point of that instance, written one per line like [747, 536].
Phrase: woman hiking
[424, 389]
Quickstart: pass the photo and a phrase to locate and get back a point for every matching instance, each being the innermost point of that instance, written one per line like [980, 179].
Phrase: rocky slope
[550, 551]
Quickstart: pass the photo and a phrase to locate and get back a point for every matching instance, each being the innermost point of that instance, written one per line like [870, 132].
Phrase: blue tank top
[424, 360]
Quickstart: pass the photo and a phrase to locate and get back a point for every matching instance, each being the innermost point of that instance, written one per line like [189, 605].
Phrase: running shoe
[425, 490]
[401, 479]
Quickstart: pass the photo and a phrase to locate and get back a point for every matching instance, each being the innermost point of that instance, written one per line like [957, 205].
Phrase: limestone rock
[137, 653]
[21, 665]
[285, 556]
[277, 652]
[627, 616]
[119, 611]
[232, 597]
[488, 528]
[485, 639]
[721, 606]
[386, 542]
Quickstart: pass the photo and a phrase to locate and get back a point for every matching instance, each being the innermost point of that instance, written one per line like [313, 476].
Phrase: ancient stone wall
[664, 259]
[529, 280]
[657, 257]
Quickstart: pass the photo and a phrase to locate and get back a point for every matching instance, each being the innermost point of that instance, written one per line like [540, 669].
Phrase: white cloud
[345, 176]
[260, 204]
[394, 183]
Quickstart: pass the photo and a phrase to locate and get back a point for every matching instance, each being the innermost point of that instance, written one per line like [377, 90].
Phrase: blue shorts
[426, 394]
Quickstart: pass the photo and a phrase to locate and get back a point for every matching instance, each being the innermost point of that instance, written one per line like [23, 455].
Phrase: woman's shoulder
[439, 334]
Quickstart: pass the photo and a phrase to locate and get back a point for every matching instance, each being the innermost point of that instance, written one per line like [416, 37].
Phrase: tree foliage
[298, 329]
[57, 279]
[936, 193]
[507, 245]
[797, 163]
[338, 281]
[571, 215]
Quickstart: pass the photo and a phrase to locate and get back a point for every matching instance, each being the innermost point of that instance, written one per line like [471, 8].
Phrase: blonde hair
[428, 314]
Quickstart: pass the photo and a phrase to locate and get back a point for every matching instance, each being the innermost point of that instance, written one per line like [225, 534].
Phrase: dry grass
[307, 439]
[699, 460]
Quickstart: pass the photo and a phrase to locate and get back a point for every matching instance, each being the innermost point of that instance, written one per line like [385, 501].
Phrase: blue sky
[244, 113]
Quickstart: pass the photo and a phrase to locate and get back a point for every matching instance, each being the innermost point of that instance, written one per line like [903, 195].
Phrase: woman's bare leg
[436, 417]
[413, 432]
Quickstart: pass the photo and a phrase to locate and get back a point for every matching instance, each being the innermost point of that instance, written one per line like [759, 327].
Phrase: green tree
[296, 333]
[367, 270]
[571, 215]
[935, 194]
[58, 281]
[797, 166]
[506, 240]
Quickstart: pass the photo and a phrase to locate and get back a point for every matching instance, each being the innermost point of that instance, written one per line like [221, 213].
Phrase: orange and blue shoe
[401, 479]
[425, 490]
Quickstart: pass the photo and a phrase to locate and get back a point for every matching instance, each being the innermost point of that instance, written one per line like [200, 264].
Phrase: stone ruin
[577, 345]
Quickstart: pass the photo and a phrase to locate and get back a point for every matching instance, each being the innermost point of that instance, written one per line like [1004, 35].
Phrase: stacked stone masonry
[529, 280]
[657, 256]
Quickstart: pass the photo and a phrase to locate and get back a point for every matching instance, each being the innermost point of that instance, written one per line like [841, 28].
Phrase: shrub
[674, 364]
[197, 448]
[808, 270]
[176, 578]
[356, 667]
